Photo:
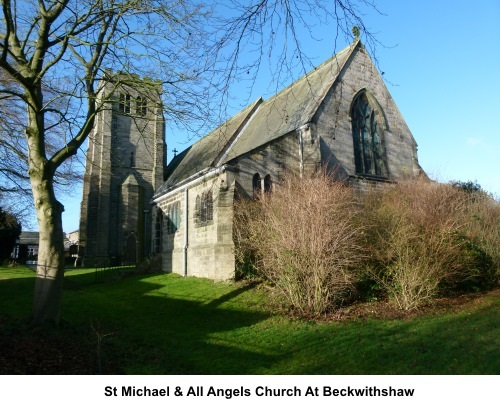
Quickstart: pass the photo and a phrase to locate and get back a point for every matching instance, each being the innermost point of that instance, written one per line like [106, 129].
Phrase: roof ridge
[227, 147]
[315, 70]
[232, 117]
[340, 68]
[288, 109]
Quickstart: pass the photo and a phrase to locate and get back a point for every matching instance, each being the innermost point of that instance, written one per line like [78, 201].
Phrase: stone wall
[126, 141]
[287, 155]
[334, 124]
[208, 249]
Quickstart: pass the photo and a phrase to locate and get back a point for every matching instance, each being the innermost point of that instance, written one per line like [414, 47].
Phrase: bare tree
[15, 188]
[270, 33]
[55, 54]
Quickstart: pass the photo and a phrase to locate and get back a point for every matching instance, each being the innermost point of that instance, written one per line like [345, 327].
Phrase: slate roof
[204, 153]
[259, 123]
[290, 108]
[28, 238]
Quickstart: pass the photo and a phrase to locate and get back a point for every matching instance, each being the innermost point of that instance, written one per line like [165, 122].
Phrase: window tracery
[367, 138]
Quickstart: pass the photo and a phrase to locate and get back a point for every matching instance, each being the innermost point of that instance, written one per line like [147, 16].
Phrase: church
[340, 116]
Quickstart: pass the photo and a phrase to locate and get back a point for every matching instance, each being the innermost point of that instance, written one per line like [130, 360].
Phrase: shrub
[481, 231]
[246, 237]
[304, 239]
[416, 241]
[318, 243]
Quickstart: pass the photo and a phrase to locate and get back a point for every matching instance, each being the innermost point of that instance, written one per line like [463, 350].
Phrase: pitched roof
[259, 123]
[28, 238]
[204, 153]
[290, 108]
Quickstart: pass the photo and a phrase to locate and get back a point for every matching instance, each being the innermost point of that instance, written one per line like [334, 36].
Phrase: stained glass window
[368, 149]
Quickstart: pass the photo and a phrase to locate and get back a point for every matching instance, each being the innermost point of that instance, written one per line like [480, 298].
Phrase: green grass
[165, 324]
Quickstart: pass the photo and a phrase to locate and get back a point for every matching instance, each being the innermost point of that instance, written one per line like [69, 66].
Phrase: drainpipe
[186, 234]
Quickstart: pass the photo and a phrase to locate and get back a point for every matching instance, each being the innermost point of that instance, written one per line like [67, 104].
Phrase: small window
[205, 208]
[177, 221]
[173, 217]
[169, 216]
[124, 104]
[141, 108]
[158, 232]
[256, 186]
[210, 207]
[268, 184]
[197, 210]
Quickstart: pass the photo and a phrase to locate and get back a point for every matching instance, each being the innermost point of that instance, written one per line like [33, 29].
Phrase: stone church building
[125, 166]
[339, 116]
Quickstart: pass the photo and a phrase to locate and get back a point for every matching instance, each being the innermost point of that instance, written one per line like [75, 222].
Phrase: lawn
[165, 324]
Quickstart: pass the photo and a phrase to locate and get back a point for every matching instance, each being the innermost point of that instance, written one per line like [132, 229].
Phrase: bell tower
[124, 167]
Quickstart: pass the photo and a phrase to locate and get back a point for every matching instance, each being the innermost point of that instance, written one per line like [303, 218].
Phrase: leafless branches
[305, 238]
[55, 56]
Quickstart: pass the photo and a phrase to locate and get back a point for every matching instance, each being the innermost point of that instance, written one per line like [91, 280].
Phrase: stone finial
[355, 32]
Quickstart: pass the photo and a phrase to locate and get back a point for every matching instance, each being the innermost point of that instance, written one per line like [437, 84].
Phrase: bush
[416, 241]
[304, 239]
[320, 244]
[481, 231]
[246, 237]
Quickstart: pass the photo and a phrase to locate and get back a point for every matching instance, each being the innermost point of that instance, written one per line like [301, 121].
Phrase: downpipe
[186, 232]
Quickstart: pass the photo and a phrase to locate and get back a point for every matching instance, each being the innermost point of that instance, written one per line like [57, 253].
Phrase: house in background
[71, 242]
[26, 249]
[340, 116]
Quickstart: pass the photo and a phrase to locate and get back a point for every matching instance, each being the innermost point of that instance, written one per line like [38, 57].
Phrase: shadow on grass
[138, 326]
[158, 328]
[465, 343]
[163, 324]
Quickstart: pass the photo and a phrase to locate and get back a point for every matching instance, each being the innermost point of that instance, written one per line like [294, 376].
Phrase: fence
[107, 269]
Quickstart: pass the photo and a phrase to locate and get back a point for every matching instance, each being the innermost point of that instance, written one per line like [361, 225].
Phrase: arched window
[158, 231]
[124, 103]
[366, 132]
[256, 186]
[197, 210]
[205, 208]
[268, 184]
[173, 217]
[169, 220]
[141, 107]
[210, 206]
[177, 221]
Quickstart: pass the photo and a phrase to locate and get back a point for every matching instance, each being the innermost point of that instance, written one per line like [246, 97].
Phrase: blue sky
[442, 65]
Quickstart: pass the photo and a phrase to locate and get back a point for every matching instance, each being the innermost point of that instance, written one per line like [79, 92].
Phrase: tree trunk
[50, 267]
